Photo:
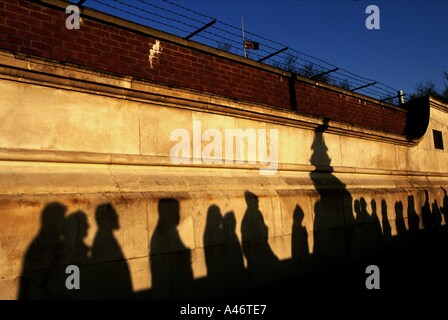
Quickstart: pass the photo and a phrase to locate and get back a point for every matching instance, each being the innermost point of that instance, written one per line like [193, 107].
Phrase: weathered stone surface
[100, 166]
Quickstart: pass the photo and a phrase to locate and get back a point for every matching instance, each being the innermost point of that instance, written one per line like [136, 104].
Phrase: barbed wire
[174, 18]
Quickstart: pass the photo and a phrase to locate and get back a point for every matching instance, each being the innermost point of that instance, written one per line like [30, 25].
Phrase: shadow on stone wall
[170, 259]
[43, 257]
[109, 274]
[346, 236]
[60, 243]
[224, 275]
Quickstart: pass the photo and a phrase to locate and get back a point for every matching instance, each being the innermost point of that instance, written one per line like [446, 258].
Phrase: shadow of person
[213, 243]
[170, 259]
[300, 251]
[76, 252]
[365, 230]
[235, 265]
[444, 208]
[387, 230]
[358, 227]
[400, 225]
[426, 213]
[111, 276]
[333, 228]
[364, 215]
[223, 257]
[261, 260]
[75, 231]
[40, 277]
[413, 218]
[375, 225]
[436, 215]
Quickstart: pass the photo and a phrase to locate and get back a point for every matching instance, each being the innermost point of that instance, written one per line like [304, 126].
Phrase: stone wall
[86, 178]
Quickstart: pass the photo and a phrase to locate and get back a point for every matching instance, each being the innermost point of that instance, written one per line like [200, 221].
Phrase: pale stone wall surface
[106, 156]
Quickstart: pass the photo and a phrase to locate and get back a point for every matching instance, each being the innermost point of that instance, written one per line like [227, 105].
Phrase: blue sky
[411, 45]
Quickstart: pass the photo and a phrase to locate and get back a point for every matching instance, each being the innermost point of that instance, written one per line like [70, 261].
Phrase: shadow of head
[363, 204]
[76, 225]
[230, 221]
[169, 213]
[106, 217]
[399, 209]
[52, 219]
[298, 215]
[384, 208]
[373, 205]
[320, 155]
[357, 207]
[411, 201]
[426, 196]
[251, 200]
[214, 216]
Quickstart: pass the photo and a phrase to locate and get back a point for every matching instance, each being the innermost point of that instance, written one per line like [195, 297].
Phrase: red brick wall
[327, 103]
[34, 29]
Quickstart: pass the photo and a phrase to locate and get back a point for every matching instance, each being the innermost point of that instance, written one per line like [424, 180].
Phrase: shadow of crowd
[344, 234]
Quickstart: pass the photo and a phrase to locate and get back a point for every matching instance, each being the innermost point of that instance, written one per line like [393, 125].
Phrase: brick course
[35, 29]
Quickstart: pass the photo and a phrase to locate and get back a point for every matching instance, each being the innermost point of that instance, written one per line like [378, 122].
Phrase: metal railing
[171, 17]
